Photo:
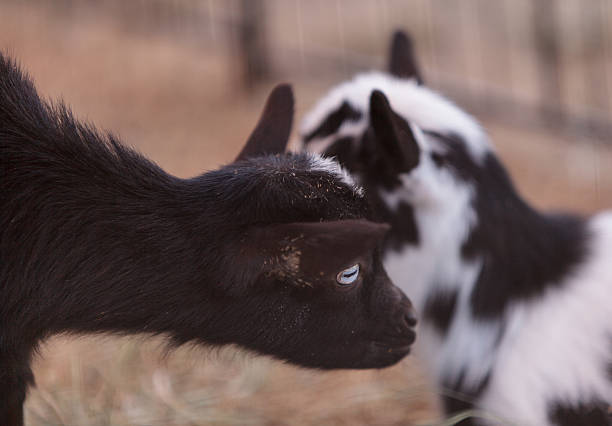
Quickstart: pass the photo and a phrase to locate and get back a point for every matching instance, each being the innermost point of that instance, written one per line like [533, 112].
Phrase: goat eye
[349, 275]
[438, 159]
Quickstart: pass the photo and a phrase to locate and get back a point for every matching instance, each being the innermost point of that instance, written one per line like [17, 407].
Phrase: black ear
[402, 62]
[307, 253]
[395, 142]
[271, 134]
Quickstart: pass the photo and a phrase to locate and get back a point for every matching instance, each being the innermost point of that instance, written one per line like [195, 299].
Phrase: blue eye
[349, 275]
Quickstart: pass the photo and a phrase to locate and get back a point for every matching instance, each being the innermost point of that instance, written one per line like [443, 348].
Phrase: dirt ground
[179, 105]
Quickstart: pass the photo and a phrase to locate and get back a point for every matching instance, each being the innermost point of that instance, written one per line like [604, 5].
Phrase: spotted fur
[516, 303]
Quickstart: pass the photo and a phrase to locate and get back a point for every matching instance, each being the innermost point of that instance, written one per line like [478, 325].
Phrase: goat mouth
[393, 348]
[399, 338]
[382, 354]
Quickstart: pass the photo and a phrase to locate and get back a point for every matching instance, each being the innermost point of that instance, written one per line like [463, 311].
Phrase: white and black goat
[516, 304]
[273, 253]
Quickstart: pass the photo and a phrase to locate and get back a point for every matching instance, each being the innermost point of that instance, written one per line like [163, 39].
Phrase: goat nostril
[410, 319]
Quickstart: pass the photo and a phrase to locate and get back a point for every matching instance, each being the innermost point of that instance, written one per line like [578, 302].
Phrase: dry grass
[177, 104]
[98, 381]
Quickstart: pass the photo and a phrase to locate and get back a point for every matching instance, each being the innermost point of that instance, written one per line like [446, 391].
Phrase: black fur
[333, 121]
[342, 150]
[513, 268]
[592, 414]
[386, 149]
[379, 168]
[363, 158]
[373, 173]
[404, 226]
[454, 406]
[271, 135]
[395, 142]
[94, 238]
[524, 252]
[440, 309]
[460, 398]
[402, 60]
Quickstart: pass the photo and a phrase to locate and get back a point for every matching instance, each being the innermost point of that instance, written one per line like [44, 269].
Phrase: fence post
[546, 34]
[253, 46]
[593, 54]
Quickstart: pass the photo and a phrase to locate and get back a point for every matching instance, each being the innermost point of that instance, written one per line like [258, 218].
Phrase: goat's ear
[271, 134]
[396, 144]
[402, 62]
[308, 253]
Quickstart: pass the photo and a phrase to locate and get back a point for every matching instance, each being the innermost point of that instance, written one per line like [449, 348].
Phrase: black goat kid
[273, 253]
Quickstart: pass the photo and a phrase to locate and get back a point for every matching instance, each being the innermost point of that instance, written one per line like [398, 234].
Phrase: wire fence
[545, 64]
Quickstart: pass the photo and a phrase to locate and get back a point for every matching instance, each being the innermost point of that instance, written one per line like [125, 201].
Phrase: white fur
[444, 218]
[417, 104]
[323, 164]
[558, 347]
[553, 348]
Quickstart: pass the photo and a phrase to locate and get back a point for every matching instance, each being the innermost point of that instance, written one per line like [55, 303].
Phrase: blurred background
[183, 81]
